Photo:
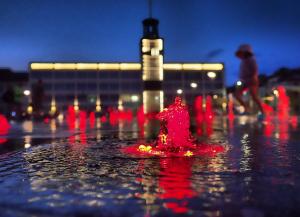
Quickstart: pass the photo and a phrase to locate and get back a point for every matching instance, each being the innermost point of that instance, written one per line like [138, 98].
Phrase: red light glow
[92, 119]
[4, 128]
[174, 138]
[230, 108]
[119, 115]
[4, 125]
[176, 185]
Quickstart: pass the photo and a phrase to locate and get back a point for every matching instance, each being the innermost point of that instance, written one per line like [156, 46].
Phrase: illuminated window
[154, 52]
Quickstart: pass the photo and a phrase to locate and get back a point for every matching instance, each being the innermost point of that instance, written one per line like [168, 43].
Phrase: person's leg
[254, 94]
[238, 95]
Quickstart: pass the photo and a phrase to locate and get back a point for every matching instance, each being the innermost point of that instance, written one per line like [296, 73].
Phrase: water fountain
[4, 128]
[174, 137]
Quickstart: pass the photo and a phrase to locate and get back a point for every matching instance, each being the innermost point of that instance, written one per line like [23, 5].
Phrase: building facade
[117, 83]
[17, 83]
[152, 82]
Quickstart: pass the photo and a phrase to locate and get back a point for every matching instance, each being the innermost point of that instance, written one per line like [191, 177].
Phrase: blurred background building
[129, 84]
[122, 82]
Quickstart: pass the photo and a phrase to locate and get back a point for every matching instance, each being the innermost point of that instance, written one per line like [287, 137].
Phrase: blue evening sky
[109, 30]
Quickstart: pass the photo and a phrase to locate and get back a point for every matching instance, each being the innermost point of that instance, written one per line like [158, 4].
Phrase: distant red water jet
[71, 118]
[46, 120]
[103, 119]
[230, 107]
[283, 110]
[4, 128]
[82, 120]
[283, 105]
[119, 115]
[174, 138]
[268, 110]
[294, 121]
[4, 125]
[199, 110]
[209, 113]
[204, 117]
[92, 119]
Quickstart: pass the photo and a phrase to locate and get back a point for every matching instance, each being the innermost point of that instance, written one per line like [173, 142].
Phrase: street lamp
[134, 98]
[179, 91]
[26, 92]
[194, 85]
[239, 83]
[212, 75]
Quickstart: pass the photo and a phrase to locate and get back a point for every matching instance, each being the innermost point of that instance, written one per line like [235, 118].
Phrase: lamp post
[211, 75]
[29, 108]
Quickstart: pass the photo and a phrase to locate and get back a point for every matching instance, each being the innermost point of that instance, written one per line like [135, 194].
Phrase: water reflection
[84, 172]
[175, 184]
[28, 126]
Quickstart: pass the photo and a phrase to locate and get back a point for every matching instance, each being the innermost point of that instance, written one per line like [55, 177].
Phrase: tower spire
[150, 8]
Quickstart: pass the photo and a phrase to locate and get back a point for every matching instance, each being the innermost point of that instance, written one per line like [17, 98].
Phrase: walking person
[248, 77]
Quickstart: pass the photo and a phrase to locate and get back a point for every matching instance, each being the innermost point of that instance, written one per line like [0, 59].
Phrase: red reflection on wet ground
[174, 181]
[174, 138]
[73, 119]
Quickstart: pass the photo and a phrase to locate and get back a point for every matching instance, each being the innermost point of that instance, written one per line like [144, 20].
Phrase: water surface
[55, 171]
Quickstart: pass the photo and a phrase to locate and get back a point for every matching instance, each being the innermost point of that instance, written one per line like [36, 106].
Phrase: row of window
[83, 98]
[82, 87]
[116, 87]
[121, 75]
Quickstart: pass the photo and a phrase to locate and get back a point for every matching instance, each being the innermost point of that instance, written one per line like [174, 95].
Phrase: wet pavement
[48, 169]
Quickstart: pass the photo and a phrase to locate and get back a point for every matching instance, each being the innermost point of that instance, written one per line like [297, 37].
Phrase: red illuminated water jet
[116, 115]
[283, 106]
[283, 110]
[204, 118]
[92, 118]
[230, 107]
[174, 138]
[4, 128]
[4, 125]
